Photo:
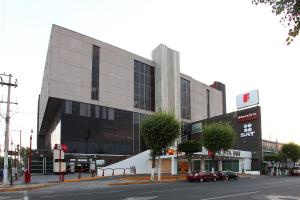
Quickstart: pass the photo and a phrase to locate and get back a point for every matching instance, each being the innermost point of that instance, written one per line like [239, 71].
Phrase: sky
[234, 42]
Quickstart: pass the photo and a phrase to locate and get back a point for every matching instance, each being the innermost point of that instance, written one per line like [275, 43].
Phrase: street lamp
[29, 178]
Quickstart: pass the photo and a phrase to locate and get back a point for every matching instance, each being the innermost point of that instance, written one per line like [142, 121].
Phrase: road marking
[140, 198]
[26, 195]
[78, 194]
[231, 195]
[175, 189]
[276, 197]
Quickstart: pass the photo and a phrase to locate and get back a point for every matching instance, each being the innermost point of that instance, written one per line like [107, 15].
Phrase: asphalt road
[262, 187]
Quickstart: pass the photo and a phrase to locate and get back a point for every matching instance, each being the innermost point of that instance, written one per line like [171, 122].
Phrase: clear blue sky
[233, 41]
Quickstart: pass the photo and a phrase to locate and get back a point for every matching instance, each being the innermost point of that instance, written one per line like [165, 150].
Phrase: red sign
[247, 117]
[246, 97]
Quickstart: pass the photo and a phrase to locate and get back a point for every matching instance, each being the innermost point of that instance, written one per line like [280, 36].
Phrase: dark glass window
[144, 86]
[95, 73]
[208, 104]
[185, 99]
[101, 136]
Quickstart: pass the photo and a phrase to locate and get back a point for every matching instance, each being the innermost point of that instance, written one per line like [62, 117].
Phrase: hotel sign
[247, 117]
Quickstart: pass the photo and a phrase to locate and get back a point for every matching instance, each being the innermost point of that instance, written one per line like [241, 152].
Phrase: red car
[202, 176]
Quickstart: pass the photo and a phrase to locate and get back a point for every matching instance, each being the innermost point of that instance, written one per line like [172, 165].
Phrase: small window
[68, 107]
[104, 113]
[97, 112]
[85, 110]
[111, 114]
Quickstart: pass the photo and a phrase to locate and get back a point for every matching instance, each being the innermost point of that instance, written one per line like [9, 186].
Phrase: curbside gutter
[83, 179]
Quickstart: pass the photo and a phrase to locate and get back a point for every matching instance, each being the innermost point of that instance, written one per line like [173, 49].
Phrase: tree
[281, 158]
[273, 159]
[159, 131]
[290, 9]
[292, 151]
[217, 137]
[189, 148]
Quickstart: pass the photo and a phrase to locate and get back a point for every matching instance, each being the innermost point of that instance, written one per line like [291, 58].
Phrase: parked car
[202, 176]
[227, 175]
[295, 172]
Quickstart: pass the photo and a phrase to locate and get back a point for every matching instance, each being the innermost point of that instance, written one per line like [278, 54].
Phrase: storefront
[247, 126]
[231, 160]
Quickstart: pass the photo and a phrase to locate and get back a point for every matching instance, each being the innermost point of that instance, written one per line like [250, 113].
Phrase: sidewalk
[41, 181]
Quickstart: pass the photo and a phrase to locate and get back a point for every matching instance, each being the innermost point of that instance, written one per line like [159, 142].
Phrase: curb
[83, 179]
[22, 188]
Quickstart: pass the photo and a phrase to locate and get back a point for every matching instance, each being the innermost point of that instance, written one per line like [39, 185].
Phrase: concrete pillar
[173, 165]
[220, 165]
[202, 166]
[167, 80]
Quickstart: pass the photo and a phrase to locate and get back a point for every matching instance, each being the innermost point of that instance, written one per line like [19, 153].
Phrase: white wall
[140, 161]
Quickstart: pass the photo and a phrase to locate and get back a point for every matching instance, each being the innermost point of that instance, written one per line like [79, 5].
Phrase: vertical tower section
[167, 79]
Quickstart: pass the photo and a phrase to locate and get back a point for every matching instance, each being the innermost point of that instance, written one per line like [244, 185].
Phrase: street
[261, 187]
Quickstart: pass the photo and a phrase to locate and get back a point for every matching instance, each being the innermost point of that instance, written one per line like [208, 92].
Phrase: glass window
[95, 73]
[97, 112]
[85, 110]
[144, 84]
[111, 114]
[68, 107]
[185, 99]
[104, 113]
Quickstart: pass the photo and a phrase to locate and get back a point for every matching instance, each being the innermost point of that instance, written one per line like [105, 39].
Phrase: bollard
[103, 172]
[113, 172]
[124, 172]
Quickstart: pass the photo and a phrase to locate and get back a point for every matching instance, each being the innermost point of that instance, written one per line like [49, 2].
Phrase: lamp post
[30, 157]
[177, 175]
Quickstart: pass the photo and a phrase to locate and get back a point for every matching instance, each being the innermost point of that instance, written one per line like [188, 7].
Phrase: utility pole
[6, 143]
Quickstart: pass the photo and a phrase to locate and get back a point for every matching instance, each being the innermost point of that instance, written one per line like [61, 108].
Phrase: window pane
[95, 73]
[68, 107]
[83, 110]
[104, 113]
[88, 110]
[97, 112]
[111, 114]
[144, 86]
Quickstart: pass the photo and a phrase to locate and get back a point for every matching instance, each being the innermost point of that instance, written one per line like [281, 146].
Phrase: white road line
[26, 195]
[78, 194]
[231, 195]
[175, 189]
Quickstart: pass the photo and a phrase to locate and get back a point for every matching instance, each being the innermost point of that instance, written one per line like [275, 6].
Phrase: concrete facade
[68, 72]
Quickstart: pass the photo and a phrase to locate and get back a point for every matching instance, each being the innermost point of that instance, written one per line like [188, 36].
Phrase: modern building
[94, 95]
[247, 126]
